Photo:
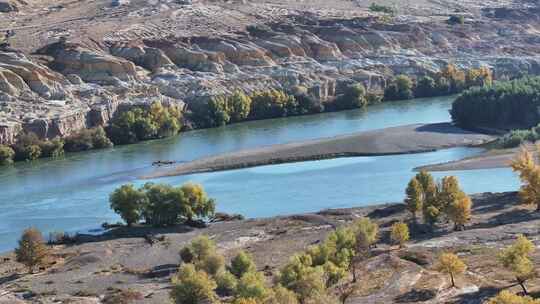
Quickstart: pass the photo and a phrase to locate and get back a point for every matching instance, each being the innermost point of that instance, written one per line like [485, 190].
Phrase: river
[71, 193]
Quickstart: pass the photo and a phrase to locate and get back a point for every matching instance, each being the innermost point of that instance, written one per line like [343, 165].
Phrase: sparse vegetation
[32, 250]
[374, 7]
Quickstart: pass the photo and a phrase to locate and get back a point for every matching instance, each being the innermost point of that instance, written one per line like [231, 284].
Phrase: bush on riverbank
[141, 123]
[515, 138]
[6, 155]
[88, 139]
[505, 104]
[161, 204]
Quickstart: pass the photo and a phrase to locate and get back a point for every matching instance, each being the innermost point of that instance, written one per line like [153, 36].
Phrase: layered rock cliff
[55, 86]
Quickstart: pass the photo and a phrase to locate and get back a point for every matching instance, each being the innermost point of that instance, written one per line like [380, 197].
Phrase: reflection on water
[72, 193]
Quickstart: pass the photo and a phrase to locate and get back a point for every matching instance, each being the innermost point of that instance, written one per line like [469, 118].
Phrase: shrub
[506, 297]
[52, 148]
[239, 105]
[354, 97]
[226, 283]
[241, 264]
[299, 276]
[199, 249]
[282, 295]
[128, 202]
[399, 89]
[251, 285]
[32, 250]
[211, 264]
[142, 123]
[191, 286]
[271, 104]
[87, 139]
[374, 7]
[399, 233]
[6, 155]
[27, 146]
[426, 87]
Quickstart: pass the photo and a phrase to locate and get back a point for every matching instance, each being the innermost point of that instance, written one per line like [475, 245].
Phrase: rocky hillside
[72, 64]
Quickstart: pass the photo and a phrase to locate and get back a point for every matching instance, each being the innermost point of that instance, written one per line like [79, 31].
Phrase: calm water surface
[71, 193]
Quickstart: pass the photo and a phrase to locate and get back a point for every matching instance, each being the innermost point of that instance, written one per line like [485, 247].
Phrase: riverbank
[415, 138]
[490, 159]
[99, 267]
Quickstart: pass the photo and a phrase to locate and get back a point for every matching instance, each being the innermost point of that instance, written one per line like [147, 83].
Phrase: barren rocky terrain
[98, 267]
[71, 64]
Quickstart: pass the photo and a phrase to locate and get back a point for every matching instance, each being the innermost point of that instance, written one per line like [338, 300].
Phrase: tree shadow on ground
[146, 232]
[416, 295]
[9, 278]
[479, 296]
[444, 128]
[511, 217]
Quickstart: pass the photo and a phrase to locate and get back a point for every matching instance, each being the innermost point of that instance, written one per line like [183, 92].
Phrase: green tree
[241, 264]
[211, 264]
[303, 279]
[517, 259]
[399, 89]
[226, 283]
[367, 233]
[164, 204]
[128, 202]
[414, 197]
[32, 250]
[240, 105]
[196, 203]
[191, 286]
[426, 87]
[399, 233]
[269, 104]
[52, 148]
[450, 192]
[451, 264]
[282, 295]
[354, 97]
[6, 155]
[506, 297]
[459, 212]
[529, 173]
[198, 250]
[251, 285]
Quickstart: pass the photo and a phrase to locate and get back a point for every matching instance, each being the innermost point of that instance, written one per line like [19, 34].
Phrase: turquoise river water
[71, 193]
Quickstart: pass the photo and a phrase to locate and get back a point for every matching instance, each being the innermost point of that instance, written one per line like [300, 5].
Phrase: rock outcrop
[68, 84]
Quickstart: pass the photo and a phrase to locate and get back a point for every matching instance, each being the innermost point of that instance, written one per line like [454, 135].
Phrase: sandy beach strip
[414, 138]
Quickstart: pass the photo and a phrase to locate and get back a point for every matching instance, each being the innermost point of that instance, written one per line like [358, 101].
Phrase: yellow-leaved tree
[517, 259]
[414, 197]
[529, 173]
[451, 264]
[400, 233]
[506, 297]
